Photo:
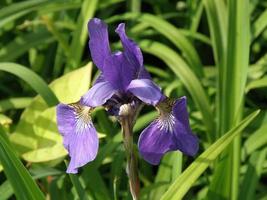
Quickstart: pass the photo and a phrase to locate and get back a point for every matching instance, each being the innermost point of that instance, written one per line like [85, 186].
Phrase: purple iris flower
[122, 73]
[122, 87]
[169, 132]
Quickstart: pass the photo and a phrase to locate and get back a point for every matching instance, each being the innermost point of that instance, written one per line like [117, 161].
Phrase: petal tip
[153, 159]
[120, 28]
[195, 148]
[94, 21]
[71, 171]
[183, 98]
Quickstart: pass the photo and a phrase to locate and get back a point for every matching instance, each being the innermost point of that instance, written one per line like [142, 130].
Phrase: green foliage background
[212, 51]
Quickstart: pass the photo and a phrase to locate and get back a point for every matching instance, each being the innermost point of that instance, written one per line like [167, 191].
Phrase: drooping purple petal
[79, 135]
[145, 90]
[118, 71]
[154, 142]
[131, 49]
[98, 94]
[83, 148]
[99, 42]
[65, 122]
[180, 112]
[186, 143]
[185, 140]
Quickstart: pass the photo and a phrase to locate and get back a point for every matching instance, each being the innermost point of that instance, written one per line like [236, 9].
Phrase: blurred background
[212, 51]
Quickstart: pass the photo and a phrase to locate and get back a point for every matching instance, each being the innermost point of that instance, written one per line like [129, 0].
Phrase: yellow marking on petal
[166, 120]
[83, 117]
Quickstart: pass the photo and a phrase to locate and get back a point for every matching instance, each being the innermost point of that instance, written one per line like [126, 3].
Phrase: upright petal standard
[99, 42]
[122, 73]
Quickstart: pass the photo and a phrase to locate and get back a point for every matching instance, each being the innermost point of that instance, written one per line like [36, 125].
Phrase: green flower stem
[132, 169]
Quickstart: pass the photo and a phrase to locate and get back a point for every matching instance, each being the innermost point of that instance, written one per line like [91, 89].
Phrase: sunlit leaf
[36, 136]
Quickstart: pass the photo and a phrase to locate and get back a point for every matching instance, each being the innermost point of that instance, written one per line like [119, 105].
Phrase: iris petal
[118, 71]
[180, 112]
[131, 49]
[79, 135]
[65, 122]
[98, 94]
[186, 141]
[146, 90]
[133, 53]
[83, 148]
[99, 42]
[154, 142]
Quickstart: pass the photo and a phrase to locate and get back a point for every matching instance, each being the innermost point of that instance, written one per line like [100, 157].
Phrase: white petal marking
[166, 122]
[83, 118]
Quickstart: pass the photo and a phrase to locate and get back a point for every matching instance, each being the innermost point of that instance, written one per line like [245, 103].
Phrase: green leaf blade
[183, 183]
[36, 82]
[24, 186]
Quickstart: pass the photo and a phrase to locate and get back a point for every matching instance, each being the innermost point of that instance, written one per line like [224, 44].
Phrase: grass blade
[169, 169]
[252, 175]
[7, 191]
[257, 140]
[17, 10]
[232, 81]
[216, 12]
[14, 103]
[259, 25]
[78, 187]
[259, 83]
[36, 82]
[24, 186]
[184, 182]
[16, 7]
[21, 44]
[175, 36]
[80, 35]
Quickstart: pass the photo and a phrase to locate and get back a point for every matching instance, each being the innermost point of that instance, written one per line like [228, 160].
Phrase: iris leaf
[175, 36]
[232, 67]
[24, 186]
[259, 83]
[259, 25]
[36, 82]
[256, 140]
[185, 181]
[14, 103]
[252, 175]
[80, 34]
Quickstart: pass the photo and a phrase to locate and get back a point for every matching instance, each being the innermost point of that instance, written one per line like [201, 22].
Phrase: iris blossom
[122, 73]
[122, 88]
[169, 132]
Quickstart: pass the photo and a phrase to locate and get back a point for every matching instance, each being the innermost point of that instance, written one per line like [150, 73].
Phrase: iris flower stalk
[123, 88]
